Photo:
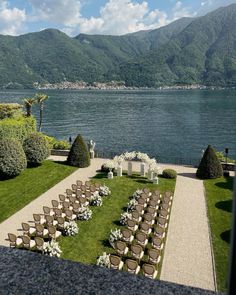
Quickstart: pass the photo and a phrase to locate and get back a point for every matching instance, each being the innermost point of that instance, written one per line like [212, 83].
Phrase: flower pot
[110, 175]
[129, 168]
[155, 180]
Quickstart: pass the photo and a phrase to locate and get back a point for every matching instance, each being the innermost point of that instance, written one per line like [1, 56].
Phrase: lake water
[165, 124]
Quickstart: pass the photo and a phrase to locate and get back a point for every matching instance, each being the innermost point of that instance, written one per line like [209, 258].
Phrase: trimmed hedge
[79, 155]
[169, 173]
[10, 110]
[12, 158]
[18, 129]
[36, 149]
[210, 166]
[56, 144]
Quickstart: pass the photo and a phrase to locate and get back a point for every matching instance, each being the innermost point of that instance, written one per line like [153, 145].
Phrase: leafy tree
[40, 97]
[28, 102]
[79, 155]
[210, 166]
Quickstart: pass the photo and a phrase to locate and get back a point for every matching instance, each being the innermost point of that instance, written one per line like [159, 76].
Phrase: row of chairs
[148, 224]
[132, 266]
[51, 223]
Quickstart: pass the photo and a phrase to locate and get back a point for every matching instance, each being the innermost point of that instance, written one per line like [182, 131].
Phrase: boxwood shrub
[12, 158]
[79, 155]
[36, 149]
[169, 173]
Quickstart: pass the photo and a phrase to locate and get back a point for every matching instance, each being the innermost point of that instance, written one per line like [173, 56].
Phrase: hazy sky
[115, 17]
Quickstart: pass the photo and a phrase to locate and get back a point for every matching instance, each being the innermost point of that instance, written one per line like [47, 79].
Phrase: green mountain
[203, 52]
[188, 51]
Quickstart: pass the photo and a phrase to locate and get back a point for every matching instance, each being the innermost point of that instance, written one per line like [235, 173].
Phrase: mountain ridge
[198, 50]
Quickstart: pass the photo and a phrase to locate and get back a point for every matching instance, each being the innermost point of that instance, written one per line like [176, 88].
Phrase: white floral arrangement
[131, 205]
[142, 157]
[152, 163]
[104, 191]
[115, 235]
[71, 228]
[124, 217]
[52, 249]
[109, 164]
[137, 194]
[84, 213]
[104, 260]
[156, 170]
[129, 155]
[118, 160]
[96, 200]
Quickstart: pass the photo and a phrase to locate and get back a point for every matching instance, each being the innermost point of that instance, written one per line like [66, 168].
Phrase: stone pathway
[187, 255]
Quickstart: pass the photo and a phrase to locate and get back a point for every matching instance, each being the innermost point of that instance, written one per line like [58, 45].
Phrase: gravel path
[187, 254]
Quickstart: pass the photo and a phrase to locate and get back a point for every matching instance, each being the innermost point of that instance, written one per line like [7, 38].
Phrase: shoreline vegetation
[119, 85]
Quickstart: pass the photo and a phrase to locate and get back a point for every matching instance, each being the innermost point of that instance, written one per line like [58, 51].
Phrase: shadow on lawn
[225, 236]
[225, 205]
[226, 185]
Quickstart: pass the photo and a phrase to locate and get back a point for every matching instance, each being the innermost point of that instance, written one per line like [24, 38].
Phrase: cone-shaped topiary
[12, 158]
[79, 155]
[36, 149]
[210, 166]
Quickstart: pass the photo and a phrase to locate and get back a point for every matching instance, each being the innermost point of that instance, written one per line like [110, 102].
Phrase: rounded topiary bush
[79, 155]
[210, 166]
[12, 158]
[169, 173]
[36, 149]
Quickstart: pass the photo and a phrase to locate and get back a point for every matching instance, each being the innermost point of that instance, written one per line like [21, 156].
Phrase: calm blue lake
[166, 124]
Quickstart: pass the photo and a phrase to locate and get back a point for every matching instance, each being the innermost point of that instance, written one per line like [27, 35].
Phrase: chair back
[25, 227]
[46, 210]
[79, 183]
[12, 238]
[69, 192]
[52, 230]
[39, 243]
[37, 218]
[62, 198]
[49, 219]
[26, 241]
[74, 187]
[55, 203]
[39, 229]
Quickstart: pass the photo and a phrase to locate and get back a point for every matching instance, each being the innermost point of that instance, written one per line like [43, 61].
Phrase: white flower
[96, 200]
[124, 217]
[109, 164]
[52, 249]
[156, 169]
[71, 228]
[152, 163]
[129, 155]
[118, 159]
[115, 235]
[137, 194]
[84, 213]
[143, 157]
[104, 260]
[104, 191]
[131, 205]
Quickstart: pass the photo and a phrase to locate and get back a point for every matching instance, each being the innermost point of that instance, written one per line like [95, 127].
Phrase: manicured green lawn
[16, 193]
[219, 194]
[92, 239]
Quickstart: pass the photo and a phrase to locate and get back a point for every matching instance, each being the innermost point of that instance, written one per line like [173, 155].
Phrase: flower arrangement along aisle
[96, 200]
[104, 260]
[115, 235]
[131, 205]
[84, 213]
[124, 217]
[104, 191]
[71, 228]
[52, 249]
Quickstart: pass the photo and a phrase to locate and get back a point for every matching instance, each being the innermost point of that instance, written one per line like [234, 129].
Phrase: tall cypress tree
[79, 155]
[210, 166]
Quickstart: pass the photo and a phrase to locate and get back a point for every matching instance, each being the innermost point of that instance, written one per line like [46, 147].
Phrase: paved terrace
[187, 255]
